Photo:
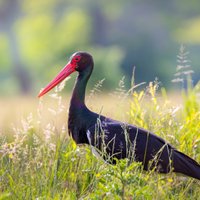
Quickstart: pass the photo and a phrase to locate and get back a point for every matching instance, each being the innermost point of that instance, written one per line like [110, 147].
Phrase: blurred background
[38, 37]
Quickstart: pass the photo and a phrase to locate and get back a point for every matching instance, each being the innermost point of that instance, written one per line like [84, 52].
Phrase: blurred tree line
[37, 38]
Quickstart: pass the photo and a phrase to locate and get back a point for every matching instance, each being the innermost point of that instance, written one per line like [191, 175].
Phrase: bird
[112, 139]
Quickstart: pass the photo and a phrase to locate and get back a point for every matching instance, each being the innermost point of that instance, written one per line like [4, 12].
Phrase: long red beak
[65, 72]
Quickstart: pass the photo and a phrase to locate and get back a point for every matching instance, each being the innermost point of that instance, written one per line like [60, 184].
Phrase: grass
[39, 161]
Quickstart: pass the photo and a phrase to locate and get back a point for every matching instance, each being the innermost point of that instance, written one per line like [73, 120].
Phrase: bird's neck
[78, 95]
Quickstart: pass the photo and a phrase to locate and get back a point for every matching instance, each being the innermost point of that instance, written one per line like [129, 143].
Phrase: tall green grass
[39, 161]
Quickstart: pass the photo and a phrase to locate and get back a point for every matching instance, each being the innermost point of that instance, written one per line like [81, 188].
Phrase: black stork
[117, 140]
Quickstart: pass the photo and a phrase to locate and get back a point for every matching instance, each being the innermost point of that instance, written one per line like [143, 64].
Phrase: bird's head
[79, 61]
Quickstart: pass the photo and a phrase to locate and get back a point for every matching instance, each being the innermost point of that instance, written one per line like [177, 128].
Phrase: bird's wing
[120, 140]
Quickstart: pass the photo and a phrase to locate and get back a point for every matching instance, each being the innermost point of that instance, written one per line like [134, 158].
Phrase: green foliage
[189, 32]
[4, 58]
[177, 124]
[107, 60]
[43, 37]
[37, 38]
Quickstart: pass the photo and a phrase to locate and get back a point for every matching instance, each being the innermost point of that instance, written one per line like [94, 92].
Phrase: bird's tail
[185, 165]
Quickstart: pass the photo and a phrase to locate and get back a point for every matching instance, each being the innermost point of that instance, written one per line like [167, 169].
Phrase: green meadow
[38, 160]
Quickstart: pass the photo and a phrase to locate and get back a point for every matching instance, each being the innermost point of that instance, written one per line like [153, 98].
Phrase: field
[39, 161]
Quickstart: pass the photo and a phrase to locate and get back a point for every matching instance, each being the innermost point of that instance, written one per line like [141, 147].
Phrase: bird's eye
[77, 58]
